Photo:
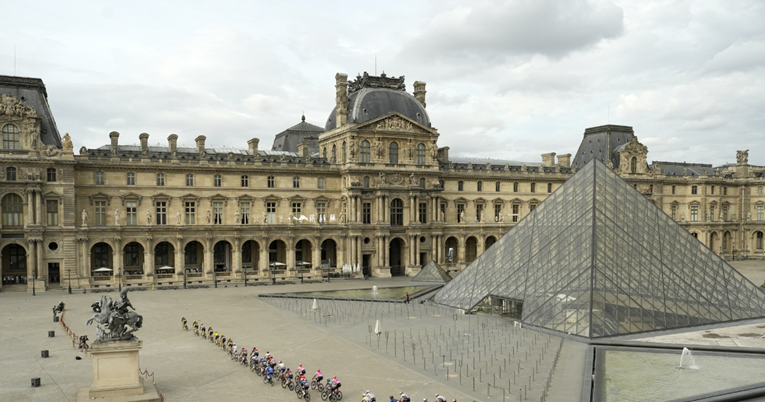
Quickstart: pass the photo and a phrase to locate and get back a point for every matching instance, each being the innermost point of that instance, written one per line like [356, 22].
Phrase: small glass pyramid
[597, 258]
[431, 272]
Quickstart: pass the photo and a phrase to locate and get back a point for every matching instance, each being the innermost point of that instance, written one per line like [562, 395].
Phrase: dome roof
[367, 102]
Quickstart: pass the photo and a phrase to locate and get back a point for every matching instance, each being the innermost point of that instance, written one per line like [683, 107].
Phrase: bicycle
[196, 331]
[316, 384]
[287, 382]
[268, 379]
[303, 394]
[185, 326]
[332, 395]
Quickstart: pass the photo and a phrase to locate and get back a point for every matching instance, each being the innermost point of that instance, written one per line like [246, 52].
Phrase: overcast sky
[507, 79]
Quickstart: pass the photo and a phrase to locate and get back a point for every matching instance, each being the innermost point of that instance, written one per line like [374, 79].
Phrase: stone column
[263, 263]
[31, 258]
[38, 204]
[386, 244]
[85, 258]
[148, 261]
[461, 250]
[359, 259]
[481, 246]
[416, 261]
[117, 260]
[42, 270]
[291, 267]
[316, 254]
[236, 256]
[208, 257]
[30, 213]
[180, 256]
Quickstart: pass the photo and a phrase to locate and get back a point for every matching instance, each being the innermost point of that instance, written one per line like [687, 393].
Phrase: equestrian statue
[116, 322]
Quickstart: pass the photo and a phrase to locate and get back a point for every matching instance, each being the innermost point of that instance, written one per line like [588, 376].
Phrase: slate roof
[289, 139]
[368, 104]
[602, 143]
[32, 92]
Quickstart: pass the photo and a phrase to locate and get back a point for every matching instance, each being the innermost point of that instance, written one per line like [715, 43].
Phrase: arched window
[345, 155]
[758, 241]
[726, 241]
[420, 154]
[10, 173]
[396, 212]
[479, 186]
[324, 153]
[334, 152]
[633, 165]
[364, 151]
[393, 153]
[10, 137]
[515, 187]
[13, 211]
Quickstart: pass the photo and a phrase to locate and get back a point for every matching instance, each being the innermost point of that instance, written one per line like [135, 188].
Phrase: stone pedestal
[115, 373]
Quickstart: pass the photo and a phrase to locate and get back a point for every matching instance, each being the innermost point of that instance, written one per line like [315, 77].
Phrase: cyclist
[334, 385]
[301, 370]
[210, 334]
[243, 355]
[440, 398]
[318, 377]
[255, 352]
[404, 397]
[288, 373]
[303, 384]
[217, 338]
[202, 329]
[184, 323]
[234, 349]
[281, 366]
[196, 327]
[371, 396]
[269, 373]
[393, 399]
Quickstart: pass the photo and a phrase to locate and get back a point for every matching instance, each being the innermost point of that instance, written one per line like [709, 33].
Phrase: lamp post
[184, 277]
[34, 274]
[215, 278]
[69, 274]
[244, 270]
[119, 278]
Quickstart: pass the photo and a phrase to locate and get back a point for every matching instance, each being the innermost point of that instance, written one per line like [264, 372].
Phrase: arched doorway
[713, 242]
[328, 254]
[396, 255]
[277, 255]
[14, 265]
[194, 257]
[490, 240]
[450, 251]
[758, 242]
[303, 254]
[101, 266]
[164, 260]
[222, 257]
[250, 256]
[471, 249]
[132, 260]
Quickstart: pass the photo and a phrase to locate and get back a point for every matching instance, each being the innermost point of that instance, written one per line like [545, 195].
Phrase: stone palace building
[372, 187]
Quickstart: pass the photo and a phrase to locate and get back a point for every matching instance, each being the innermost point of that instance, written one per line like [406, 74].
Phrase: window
[423, 213]
[758, 243]
[532, 207]
[366, 213]
[10, 137]
[161, 257]
[101, 255]
[131, 209]
[51, 174]
[673, 190]
[479, 186]
[497, 212]
[324, 153]
[759, 190]
[725, 191]
[345, 154]
[160, 179]
[296, 182]
[393, 153]
[694, 213]
[130, 179]
[694, 190]
[334, 152]
[673, 212]
[650, 189]
[245, 180]
[100, 178]
[131, 255]
[549, 187]
[364, 151]
[190, 210]
[321, 212]
[422, 182]
[244, 210]
[296, 208]
[420, 154]
[51, 208]
[460, 210]
[190, 253]
[515, 187]
[460, 185]
[189, 180]
[712, 190]
[478, 212]
[724, 213]
[712, 213]
[366, 181]
[13, 211]
[247, 252]
[217, 180]
[271, 212]
[695, 235]
[396, 212]
[161, 212]
[533, 187]
[320, 183]
[100, 213]
[633, 165]
[515, 209]
[271, 182]
[760, 212]
[217, 213]
[10, 174]
[497, 187]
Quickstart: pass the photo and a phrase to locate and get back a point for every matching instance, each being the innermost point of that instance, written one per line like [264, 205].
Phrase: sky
[509, 79]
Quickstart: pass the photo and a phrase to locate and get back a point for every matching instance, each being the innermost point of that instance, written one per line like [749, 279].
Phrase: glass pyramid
[431, 272]
[597, 258]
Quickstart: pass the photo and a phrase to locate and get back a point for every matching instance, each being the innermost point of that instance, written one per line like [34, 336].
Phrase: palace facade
[372, 187]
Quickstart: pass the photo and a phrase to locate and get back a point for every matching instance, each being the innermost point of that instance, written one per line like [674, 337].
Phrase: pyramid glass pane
[597, 258]
[431, 272]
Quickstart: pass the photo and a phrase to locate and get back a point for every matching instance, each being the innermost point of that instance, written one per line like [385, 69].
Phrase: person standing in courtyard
[406, 300]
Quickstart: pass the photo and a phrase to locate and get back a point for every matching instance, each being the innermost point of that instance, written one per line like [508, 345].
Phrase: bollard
[51, 334]
[473, 384]
[447, 374]
[55, 318]
[488, 390]
[35, 382]
[44, 353]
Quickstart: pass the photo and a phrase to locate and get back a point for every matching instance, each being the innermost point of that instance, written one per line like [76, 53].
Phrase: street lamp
[119, 278]
[215, 278]
[245, 277]
[184, 277]
[34, 274]
[69, 274]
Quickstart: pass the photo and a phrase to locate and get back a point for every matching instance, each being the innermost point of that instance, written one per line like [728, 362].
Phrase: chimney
[548, 160]
[341, 98]
[443, 154]
[115, 136]
[253, 143]
[172, 143]
[564, 160]
[201, 144]
[144, 143]
[302, 148]
[419, 92]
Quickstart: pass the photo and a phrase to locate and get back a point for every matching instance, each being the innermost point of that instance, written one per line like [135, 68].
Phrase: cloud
[738, 57]
[490, 31]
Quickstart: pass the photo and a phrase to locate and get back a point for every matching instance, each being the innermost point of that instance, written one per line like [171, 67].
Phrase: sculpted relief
[11, 106]
[395, 124]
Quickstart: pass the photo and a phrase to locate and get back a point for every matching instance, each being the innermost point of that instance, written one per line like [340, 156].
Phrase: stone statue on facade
[178, 217]
[742, 157]
[208, 217]
[236, 218]
[462, 216]
[68, 142]
[115, 321]
[148, 217]
[265, 217]
[116, 217]
[412, 179]
[281, 219]
[84, 217]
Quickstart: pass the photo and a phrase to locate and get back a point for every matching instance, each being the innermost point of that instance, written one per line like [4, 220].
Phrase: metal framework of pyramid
[597, 258]
[431, 272]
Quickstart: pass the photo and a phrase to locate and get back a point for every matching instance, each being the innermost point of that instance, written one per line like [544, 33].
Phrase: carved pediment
[161, 197]
[100, 197]
[395, 122]
[498, 201]
[296, 198]
[460, 200]
[52, 194]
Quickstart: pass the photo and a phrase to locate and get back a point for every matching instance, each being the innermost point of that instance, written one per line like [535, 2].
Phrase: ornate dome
[370, 97]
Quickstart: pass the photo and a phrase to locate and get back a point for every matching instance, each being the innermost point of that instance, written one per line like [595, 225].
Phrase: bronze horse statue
[116, 322]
